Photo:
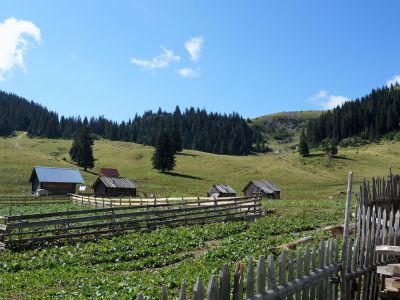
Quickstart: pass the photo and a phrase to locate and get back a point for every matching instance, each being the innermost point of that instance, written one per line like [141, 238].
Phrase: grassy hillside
[299, 178]
[282, 130]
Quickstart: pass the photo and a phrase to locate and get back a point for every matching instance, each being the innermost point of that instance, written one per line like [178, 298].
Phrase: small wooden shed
[114, 187]
[265, 188]
[221, 190]
[57, 181]
[109, 172]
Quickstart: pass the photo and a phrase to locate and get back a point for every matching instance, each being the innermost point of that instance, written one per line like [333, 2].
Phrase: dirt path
[16, 144]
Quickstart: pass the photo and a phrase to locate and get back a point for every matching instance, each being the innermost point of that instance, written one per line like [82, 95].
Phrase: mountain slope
[299, 178]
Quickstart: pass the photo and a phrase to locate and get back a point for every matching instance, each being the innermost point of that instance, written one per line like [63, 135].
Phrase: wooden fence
[29, 229]
[135, 201]
[30, 200]
[308, 274]
[326, 272]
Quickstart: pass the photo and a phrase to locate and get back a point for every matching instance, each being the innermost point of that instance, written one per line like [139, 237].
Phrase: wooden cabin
[266, 188]
[221, 190]
[109, 172]
[56, 181]
[114, 187]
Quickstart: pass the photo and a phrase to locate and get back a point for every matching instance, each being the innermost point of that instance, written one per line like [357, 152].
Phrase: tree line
[370, 117]
[195, 128]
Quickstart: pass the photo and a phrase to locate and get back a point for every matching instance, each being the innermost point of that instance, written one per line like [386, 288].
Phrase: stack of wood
[391, 272]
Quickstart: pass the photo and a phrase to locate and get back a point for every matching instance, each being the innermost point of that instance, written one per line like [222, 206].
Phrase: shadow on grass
[183, 175]
[90, 172]
[316, 155]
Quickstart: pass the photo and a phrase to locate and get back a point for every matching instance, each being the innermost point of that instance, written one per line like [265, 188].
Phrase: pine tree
[164, 155]
[303, 145]
[176, 136]
[81, 151]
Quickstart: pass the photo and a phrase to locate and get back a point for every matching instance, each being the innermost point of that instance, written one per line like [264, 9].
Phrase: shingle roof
[109, 172]
[116, 182]
[224, 189]
[264, 185]
[59, 175]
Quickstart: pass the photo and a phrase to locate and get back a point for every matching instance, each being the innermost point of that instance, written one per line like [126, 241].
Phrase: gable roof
[224, 189]
[109, 172]
[59, 175]
[116, 182]
[264, 185]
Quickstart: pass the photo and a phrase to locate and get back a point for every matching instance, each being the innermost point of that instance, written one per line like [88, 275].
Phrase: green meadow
[299, 178]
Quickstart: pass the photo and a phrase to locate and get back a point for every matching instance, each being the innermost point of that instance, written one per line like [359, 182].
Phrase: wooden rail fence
[134, 201]
[30, 200]
[29, 229]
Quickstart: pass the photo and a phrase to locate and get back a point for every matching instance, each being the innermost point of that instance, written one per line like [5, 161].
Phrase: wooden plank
[182, 291]
[282, 269]
[345, 288]
[238, 279]
[198, 291]
[387, 250]
[212, 290]
[393, 283]
[299, 270]
[250, 279]
[313, 269]
[261, 275]
[164, 293]
[291, 275]
[321, 259]
[390, 270]
[224, 290]
[306, 291]
[271, 273]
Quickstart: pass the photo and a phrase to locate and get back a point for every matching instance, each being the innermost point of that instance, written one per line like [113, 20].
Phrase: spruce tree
[81, 151]
[303, 145]
[176, 136]
[164, 155]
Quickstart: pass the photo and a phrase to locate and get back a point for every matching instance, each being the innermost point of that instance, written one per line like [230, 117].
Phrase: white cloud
[328, 101]
[393, 81]
[160, 61]
[194, 47]
[14, 44]
[189, 72]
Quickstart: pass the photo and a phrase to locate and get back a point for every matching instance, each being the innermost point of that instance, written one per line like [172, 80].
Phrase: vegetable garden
[141, 262]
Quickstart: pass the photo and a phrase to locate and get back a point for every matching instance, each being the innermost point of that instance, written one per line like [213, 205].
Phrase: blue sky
[118, 58]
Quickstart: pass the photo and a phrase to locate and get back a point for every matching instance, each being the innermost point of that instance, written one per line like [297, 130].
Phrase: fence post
[182, 292]
[238, 283]
[164, 294]
[212, 290]
[345, 287]
[198, 291]
[224, 289]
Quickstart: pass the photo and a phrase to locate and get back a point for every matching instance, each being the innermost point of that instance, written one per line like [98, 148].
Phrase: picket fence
[324, 272]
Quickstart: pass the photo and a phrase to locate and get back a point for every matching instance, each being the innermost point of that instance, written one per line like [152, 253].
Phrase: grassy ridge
[299, 178]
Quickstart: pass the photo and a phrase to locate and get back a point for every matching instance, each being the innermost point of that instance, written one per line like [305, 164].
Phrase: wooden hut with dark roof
[114, 187]
[56, 181]
[265, 188]
[221, 190]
